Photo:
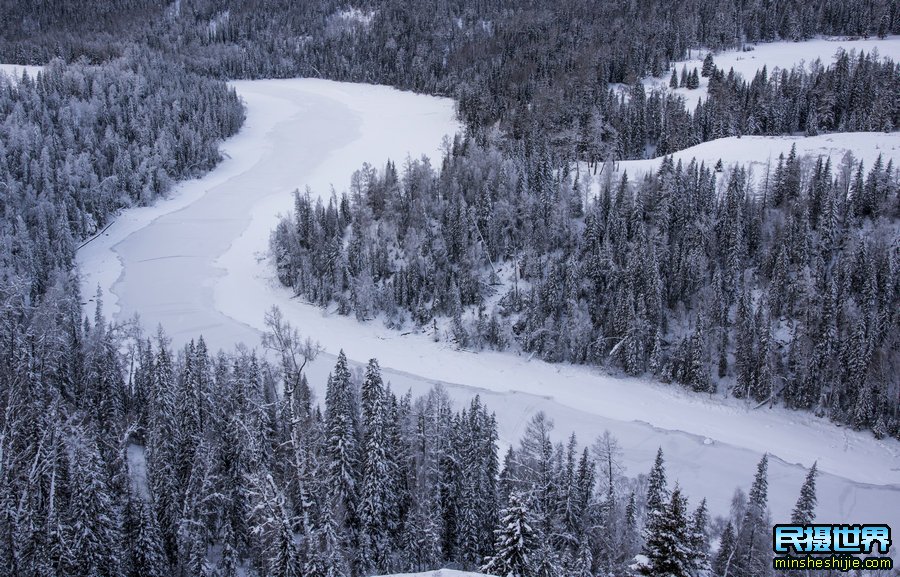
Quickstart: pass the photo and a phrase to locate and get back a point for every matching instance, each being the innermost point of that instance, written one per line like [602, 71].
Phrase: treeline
[853, 94]
[540, 69]
[783, 292]
[122, 457]
[35, 32]
[80, 142]
[850, 95]
[544, 70]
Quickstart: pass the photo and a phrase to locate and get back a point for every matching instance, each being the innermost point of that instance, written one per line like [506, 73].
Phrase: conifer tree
[147, 556]
[657, 494]
[699, 542]
[668, 547]
[752, 547]
[722, 565]
[708, 65]
[515, 543]
[342, 441]
[376, 500]
[804, 512]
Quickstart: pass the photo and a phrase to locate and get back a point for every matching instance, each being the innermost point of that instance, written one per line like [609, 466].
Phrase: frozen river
[196, 263]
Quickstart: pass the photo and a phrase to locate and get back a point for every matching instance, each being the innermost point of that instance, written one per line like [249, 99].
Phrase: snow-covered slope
[784, 55]
[760, 153]
[197, 264]
[439, 573]
[14, 71]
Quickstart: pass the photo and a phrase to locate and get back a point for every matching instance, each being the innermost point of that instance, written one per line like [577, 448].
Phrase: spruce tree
[515, 542]
[753, 544]
[342, 442]
[376, 499]
[804, 512]
[668, 546]
[699, 541]
[693, 80]
[708, 65]
[657, 493]
[722, 565]
[147, 556]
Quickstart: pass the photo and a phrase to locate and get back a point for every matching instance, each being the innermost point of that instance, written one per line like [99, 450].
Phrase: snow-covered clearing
[14, 71]
[783, 55]
[759, 154]
[439, 573]
[197, 264]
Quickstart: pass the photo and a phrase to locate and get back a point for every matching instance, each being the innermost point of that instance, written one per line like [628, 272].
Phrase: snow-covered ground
[440, 573]
[197, 264]
[760, 153]
[14, 71]
[784, 55]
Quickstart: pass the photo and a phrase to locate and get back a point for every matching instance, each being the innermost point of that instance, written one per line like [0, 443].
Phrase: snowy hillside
[439, 573]
[759, 154]
[784, 55]
[14, 71]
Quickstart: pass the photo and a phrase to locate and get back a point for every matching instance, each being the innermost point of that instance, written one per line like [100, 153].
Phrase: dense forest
[538, 69]
[80, 142]
[120, 456]
[784, 291]
[158, 462]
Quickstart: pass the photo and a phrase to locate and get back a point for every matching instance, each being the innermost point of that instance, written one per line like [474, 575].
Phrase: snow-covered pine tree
[753, 549]
[668, 545]
[376, 502]
[722, 564]
[657, 493]
[147, 556]
[342, 443]
[708, 65]
[326, 554]
[161, 449]
[94, 521]
[693, 81]
[804, 512]
[699, 542]
[515, 542]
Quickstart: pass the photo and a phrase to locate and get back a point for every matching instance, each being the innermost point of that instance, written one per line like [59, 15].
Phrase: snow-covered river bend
[195, 263]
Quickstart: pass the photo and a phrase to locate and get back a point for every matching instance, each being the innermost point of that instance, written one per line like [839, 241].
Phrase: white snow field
[439, 573]
[759, 154]
[783, 55]
[14, 71]
[197, 264]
